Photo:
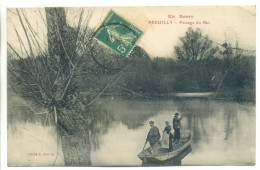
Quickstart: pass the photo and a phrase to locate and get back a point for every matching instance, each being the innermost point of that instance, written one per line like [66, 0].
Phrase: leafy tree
[197, 50]
[195, 47]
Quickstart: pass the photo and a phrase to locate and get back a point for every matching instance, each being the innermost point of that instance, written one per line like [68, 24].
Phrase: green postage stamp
[118, 34]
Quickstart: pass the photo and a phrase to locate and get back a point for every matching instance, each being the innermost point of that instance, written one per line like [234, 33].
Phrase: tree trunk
[75, 138]
[72, 127]
[61, 37]
[76, 150]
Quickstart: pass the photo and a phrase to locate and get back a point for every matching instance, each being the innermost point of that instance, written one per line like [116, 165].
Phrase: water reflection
[100, 122]
[223, 132]
[25, 128]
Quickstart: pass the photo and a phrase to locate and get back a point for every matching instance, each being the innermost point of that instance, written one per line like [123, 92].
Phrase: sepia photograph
[131, 86]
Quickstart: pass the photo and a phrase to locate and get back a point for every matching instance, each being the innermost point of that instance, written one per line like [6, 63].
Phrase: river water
[223, 133]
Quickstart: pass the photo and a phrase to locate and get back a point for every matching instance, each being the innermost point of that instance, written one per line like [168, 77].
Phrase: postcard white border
[66, 3]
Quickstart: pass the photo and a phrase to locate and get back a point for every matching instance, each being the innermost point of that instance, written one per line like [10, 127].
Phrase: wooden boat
[164, 155]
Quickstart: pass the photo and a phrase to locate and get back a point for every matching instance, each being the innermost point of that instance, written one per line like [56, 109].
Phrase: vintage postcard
[131, 86]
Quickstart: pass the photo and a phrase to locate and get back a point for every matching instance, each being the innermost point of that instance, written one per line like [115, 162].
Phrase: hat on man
[151, 122]
[176, 114]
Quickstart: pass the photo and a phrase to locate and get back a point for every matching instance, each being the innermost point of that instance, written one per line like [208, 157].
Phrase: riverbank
[178, 96]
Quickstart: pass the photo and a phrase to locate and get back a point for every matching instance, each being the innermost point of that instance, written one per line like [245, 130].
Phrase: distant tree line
[198, 65]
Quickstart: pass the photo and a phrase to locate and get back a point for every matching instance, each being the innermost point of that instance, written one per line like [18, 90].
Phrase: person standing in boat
[167, 137]
[167, 128]
[177, 126]
[153, 137]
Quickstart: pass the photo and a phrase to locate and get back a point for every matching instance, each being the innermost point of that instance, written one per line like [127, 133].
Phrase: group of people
[168, 138]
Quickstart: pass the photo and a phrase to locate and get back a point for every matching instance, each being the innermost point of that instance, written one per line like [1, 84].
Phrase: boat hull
[166, 156]
[168, 162]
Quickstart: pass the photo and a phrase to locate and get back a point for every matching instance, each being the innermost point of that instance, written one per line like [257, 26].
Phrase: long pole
[144, 145]
[144, 152]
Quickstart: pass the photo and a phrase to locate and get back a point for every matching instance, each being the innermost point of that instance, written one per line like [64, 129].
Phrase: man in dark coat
[153, 137]
[177, 126]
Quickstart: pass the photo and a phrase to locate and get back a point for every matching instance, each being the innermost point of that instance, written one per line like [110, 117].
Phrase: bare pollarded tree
[48, 72]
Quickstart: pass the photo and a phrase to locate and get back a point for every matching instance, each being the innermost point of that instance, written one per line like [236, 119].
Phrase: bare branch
[67, 85]
[25, 31]
[35, 40]
[109, 85]
[16, 53]
[42, 18]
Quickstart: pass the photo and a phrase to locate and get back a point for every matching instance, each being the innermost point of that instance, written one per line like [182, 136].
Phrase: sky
[231, 24]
